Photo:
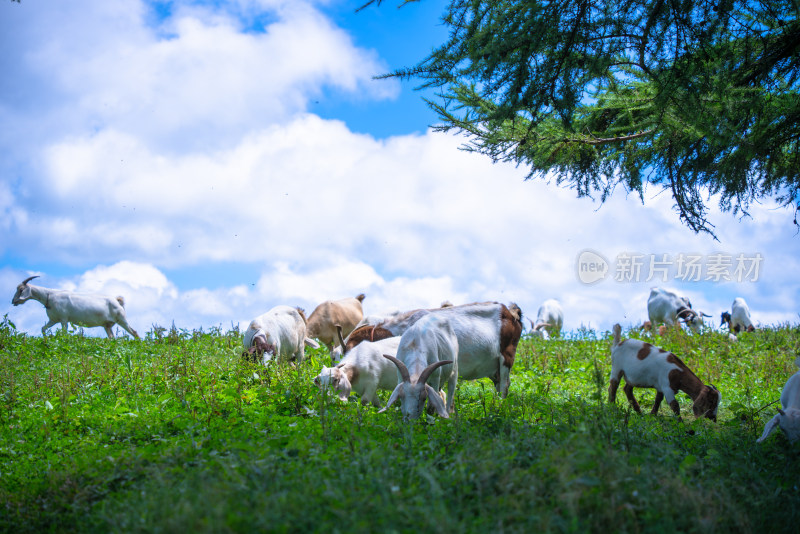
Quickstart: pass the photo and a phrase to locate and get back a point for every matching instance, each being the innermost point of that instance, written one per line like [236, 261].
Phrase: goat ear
[344, 387]
[698, 407]
[395, 395]
[436, 401]
[769, 427]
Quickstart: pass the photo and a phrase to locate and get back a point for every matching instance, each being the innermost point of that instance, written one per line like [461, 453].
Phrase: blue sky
[210, 160]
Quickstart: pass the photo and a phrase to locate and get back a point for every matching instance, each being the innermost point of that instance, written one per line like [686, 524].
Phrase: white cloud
[189, 143]
[196, 79]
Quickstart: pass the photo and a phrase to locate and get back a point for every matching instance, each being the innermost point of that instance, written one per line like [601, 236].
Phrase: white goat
[666, 307]
[788, 418]
[280, 333]
[364, 371]
[323, 321]
[549, 320]
[77, 308]
[427, 345]
[647, 366]
[487, 333]
[739, 317]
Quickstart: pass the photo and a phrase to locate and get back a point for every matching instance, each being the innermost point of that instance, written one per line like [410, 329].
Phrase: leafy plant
[177, 432]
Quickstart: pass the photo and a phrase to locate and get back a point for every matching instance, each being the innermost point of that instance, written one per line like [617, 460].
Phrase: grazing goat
[76, 308]
[666, 307]
[323, 320]
[739, 317]
[278, 334]
[646, 366]
[363, 331]
[363, 371]
[549, 320]
[788, 418]
[427, 345]
[488, 334]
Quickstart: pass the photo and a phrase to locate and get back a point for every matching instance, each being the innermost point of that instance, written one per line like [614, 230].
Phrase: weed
[176, 432]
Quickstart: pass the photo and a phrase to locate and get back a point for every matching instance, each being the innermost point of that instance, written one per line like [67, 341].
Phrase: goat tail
[121, 300]
[360, 297]
[515, 310]
[617, 332]
[302, 313]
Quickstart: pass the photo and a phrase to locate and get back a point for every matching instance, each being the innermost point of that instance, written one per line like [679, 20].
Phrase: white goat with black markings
[363, 371]
[279, 334]
[646, 366]
[80, 309]
[428, 349]
[739, 317]
[788, 417]
[549, 320]
[665, 307]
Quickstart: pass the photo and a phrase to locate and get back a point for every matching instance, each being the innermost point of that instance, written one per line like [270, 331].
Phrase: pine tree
[696, 97]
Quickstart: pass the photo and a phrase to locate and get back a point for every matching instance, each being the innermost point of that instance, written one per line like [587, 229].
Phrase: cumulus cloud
[196, 79]
[163, 142]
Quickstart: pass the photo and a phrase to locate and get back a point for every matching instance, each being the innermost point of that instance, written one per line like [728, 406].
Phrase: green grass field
[175, 433]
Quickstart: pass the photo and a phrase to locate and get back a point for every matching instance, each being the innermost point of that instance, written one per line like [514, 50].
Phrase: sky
[211, 160]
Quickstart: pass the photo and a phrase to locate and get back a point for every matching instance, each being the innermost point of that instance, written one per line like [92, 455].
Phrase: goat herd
[415, 353]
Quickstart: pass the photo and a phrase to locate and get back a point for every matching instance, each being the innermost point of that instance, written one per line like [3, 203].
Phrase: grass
[176, 433]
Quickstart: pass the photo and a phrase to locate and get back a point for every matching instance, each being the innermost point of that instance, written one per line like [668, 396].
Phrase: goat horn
[400, 367]
[423, 376]
[29, 279]
[341, 337]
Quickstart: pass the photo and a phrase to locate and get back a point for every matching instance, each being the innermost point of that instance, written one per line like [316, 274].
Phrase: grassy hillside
[176, 432]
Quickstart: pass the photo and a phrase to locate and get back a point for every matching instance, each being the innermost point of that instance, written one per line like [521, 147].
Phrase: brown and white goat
[363, 371]
[646, 366]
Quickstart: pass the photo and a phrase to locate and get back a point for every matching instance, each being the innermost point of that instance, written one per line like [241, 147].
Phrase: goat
[377, 327]
[77, 308]
[739, 317]
[363, 331]
[363, 371]
[427, 345]
[279, 333]
[647, 366]
[549, 320]
[666, 307]
[488, 334]
[788, 417]
[323, 320]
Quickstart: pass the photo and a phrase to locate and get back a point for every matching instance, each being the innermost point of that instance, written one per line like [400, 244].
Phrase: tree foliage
[696, 97]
